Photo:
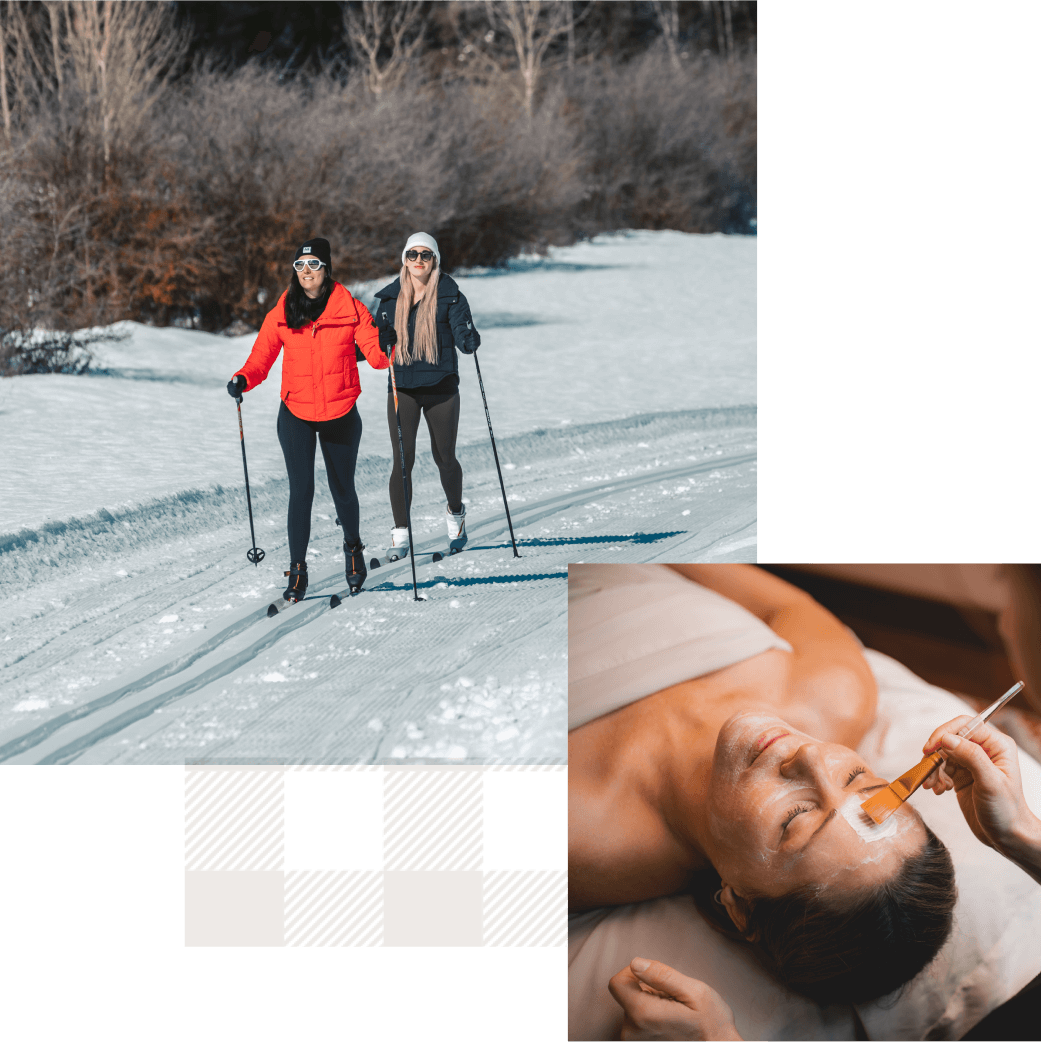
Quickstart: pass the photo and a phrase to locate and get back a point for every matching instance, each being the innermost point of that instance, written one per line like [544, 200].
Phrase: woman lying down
[715, 711]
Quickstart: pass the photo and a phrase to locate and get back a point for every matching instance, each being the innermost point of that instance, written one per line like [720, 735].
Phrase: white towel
[634, 629]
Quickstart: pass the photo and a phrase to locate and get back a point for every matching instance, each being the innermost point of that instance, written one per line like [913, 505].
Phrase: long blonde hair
[425, 347]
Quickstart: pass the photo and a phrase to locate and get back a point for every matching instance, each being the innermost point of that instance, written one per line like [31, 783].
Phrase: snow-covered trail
[620, 375]
[176, 661]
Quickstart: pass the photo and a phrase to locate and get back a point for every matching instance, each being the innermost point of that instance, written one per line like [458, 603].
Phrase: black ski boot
[297, 582]
[355, 565]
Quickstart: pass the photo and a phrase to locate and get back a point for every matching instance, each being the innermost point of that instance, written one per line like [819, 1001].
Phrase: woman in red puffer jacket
[319, 324]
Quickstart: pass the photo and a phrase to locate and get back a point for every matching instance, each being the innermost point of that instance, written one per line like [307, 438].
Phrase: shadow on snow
[475, 580]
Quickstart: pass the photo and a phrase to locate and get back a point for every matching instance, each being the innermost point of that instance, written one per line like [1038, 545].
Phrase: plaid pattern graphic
[233, 820]
[522, 909]
[376, 856]
[333, 909]
[434, 820]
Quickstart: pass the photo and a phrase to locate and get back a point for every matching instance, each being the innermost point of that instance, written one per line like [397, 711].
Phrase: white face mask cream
[862, 825]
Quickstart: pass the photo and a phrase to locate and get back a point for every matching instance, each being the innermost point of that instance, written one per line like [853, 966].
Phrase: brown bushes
[670, 149]
[197, 212]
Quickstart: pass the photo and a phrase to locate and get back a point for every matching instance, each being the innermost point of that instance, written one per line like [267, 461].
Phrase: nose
[807, 763]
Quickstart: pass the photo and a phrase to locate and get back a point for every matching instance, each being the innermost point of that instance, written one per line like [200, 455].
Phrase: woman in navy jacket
[429, 316]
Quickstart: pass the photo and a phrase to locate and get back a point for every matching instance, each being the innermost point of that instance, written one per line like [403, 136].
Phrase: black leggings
[442, 416]
[340, 439]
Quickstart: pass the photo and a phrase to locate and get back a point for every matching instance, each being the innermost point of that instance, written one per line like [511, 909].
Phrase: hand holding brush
[986, 779]
[880, 806]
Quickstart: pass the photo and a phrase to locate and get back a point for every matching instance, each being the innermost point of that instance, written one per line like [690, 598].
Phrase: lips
[762, 746]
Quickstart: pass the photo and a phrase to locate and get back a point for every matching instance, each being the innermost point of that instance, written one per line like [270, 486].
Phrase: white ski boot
[456, 530]
[398, 544]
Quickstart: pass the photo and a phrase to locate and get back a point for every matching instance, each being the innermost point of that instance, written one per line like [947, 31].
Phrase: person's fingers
[994, 745]
[950, 727]
[625, 989]
[964, 752]
[668, 981]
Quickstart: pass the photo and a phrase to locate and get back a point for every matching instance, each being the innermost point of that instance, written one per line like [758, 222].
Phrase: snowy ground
[619, 374]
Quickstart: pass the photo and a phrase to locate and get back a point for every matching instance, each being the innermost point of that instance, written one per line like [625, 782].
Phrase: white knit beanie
[422, 239]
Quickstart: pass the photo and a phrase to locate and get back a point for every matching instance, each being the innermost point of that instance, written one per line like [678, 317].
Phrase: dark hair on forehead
[854, 952]
[299, 307]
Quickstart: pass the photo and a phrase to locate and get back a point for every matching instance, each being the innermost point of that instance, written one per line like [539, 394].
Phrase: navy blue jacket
[455, 329]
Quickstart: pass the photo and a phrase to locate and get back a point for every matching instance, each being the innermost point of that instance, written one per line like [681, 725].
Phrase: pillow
[991, 954]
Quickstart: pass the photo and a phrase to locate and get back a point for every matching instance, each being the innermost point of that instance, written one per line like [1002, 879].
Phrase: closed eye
[801, 808]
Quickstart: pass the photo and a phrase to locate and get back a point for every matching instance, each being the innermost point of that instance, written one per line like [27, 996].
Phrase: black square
[333, 819]
[525, 819]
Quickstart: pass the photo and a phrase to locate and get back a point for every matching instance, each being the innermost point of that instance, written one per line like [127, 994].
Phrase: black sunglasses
[423, 255]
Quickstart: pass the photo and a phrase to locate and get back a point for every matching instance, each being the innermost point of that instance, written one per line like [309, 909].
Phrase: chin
[751, 718]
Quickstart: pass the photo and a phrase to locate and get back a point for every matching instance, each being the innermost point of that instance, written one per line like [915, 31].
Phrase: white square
[334, 820]
[432, 909]
[525, 820]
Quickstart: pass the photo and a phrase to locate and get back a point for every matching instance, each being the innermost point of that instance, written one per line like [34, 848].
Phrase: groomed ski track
[475, 672]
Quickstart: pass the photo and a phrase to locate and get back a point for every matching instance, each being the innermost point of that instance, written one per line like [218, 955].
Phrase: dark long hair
[300, 308]
[852, 952]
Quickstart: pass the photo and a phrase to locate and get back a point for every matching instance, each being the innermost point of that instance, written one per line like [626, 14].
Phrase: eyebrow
[813, 835]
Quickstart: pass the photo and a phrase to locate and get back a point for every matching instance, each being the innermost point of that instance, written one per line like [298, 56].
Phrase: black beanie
[316, 248]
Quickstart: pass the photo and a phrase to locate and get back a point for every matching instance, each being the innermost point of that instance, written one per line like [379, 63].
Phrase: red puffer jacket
[319, 371]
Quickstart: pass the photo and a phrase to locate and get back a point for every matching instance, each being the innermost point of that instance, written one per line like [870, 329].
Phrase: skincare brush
[879, 807]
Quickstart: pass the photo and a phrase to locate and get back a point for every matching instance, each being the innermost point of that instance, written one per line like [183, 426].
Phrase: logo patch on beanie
[307, 249]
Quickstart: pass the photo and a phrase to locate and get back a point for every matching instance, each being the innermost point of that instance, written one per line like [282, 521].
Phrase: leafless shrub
[31, 350]
[275, 163]
[669, 148]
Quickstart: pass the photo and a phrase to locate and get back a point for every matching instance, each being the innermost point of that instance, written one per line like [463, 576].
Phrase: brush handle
[908, 783]
[987, 713]
[964, 732]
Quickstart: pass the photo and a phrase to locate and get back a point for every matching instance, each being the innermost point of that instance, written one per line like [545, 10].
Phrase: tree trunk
[3, 86]
[570, 35]
[52, 11]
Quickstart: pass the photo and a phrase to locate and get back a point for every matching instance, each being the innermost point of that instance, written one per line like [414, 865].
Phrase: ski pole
[404, 479]
[254, 555]
[491, 434]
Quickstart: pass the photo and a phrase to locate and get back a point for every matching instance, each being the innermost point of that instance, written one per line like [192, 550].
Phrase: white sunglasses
[311, 262]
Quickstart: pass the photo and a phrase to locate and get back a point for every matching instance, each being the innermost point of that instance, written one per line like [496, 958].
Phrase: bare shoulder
[619, 850]
[620, 847]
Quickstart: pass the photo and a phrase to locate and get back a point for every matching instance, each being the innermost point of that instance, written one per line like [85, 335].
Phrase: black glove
[471, 342]
[388, 338]
[236, 385]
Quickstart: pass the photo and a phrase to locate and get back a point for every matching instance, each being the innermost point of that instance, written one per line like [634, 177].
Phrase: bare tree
[5, 108]
[723, 21]
[669, 20]
[570, 33]
[122, 55]
[531, 25]
[54, 16]
[29, 70]
[391, 29]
